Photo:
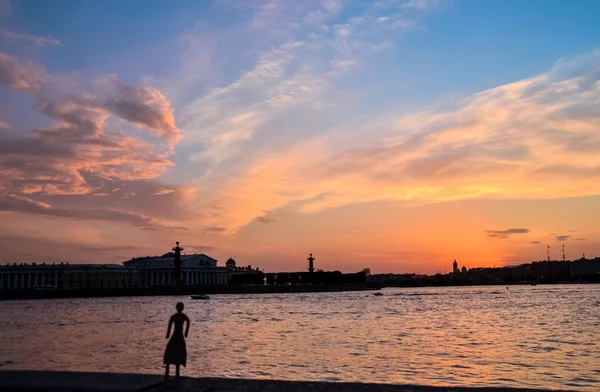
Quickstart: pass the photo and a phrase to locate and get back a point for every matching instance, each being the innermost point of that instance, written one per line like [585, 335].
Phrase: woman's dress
[176, 353]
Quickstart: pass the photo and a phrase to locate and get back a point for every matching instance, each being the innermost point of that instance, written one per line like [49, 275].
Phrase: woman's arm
[187, 326]
[169, 328]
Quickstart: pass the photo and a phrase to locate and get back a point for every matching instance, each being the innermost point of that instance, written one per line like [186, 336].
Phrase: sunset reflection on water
[543, 336]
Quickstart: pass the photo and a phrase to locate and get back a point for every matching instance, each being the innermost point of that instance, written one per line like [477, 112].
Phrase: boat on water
[378, 293]
[200, 296]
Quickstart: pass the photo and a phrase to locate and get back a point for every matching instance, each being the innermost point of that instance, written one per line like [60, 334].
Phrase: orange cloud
[535, 138]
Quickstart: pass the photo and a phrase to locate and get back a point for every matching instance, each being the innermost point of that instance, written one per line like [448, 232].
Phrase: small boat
[378, 293]
[200, 296]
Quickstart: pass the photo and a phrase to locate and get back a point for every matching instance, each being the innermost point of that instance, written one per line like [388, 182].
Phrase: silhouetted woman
[176, 354]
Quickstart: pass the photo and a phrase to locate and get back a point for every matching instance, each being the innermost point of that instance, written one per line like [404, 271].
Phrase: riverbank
[34, 381]
[185, 290]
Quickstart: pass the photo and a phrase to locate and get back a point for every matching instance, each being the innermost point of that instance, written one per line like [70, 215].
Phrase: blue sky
[230, 119]
[476, 44]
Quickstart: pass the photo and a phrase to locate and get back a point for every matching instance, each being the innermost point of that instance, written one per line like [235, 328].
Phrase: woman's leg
[167, 372]
[177, 370]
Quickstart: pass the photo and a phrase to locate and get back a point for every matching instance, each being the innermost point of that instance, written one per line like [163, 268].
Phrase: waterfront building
[67, 276]
[583, 267]
[233, 270]
[230, 264]
[196, 270]
[26, 276]
[97, 276]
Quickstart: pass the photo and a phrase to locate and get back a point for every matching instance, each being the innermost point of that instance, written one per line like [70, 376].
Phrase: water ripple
[461, 336]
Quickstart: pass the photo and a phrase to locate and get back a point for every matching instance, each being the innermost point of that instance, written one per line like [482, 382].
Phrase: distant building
[234, 270]
[97, 276]
[463, 270]
[196, 269]
[585, 267]
[230, 264]
[455, 267]
[65, 276]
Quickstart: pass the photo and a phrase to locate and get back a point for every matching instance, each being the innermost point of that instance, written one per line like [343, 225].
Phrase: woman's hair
[179, 306]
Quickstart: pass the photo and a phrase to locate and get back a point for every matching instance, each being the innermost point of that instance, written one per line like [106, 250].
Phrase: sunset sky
[397, 135]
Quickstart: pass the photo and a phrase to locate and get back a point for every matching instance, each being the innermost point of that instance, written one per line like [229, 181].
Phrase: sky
[395, 135]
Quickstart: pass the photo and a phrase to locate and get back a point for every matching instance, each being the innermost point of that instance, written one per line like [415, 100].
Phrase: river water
[534, 336]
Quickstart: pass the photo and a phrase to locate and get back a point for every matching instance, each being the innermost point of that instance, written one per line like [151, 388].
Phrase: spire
[177, 263]
[311, 267]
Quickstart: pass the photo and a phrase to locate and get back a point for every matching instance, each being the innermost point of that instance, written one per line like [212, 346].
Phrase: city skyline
[391, 135]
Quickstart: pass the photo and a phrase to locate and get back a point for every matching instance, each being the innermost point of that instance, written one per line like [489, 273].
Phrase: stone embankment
[34, 381]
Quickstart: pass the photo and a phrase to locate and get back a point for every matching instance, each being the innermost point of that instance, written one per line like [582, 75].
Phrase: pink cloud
[57, 159]
[57, 170]
[17, 75]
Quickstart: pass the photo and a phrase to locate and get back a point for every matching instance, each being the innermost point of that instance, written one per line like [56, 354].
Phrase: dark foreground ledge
[33, 381]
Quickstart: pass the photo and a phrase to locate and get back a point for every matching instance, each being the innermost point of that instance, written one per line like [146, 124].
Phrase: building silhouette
[195, 269]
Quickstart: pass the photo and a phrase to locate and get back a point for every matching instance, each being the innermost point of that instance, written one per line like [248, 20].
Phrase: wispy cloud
[33, 39]
[265, 219]
[533, 138]
[292, 85]
[293, 76]
[535, 242]
[22, 204]
[562, 237]
[200, 248]
[163, 191]
[421, 4]
[211, 229]
[105, 248]
[501, 234]
[19, 75]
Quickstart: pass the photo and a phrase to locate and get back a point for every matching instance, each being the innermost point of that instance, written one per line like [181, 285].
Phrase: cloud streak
[533, 138]
[295, 75]
[265, 219]
[34, 39]
[14, 203]
[502, 234]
